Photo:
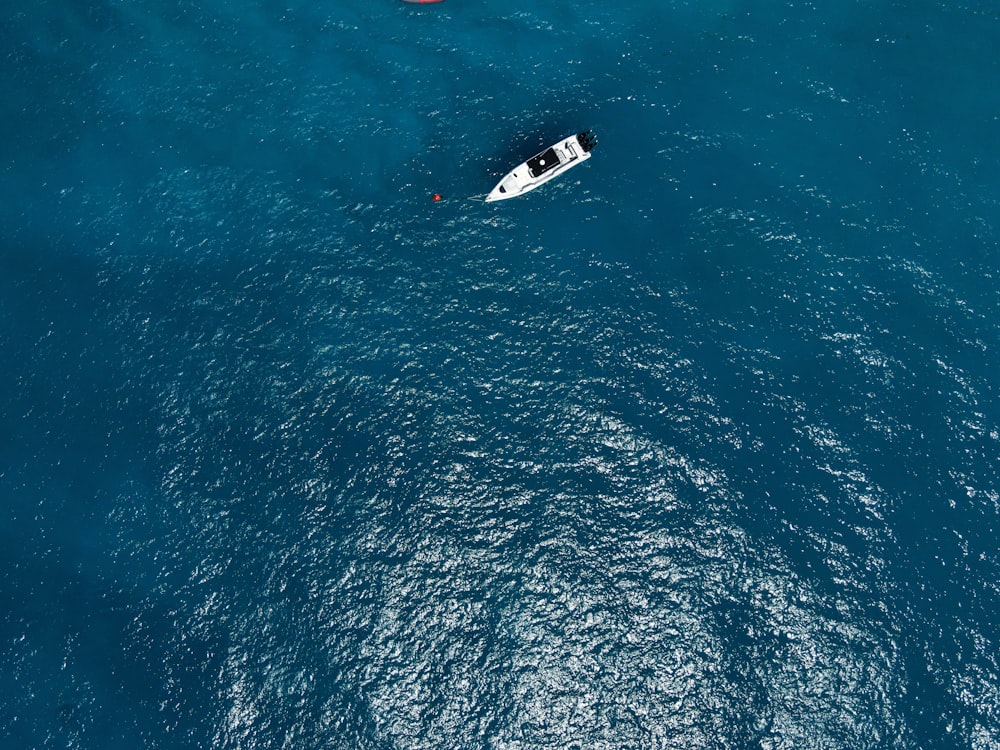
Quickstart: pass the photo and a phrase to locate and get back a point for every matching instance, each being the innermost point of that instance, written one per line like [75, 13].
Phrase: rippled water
[695, 447]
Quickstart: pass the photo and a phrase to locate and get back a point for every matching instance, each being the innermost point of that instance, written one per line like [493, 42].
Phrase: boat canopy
[539, 165]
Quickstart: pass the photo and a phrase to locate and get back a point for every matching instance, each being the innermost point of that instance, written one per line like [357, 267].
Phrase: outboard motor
[586, 140]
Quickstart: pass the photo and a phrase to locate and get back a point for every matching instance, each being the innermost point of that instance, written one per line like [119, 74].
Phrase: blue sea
[697, 446]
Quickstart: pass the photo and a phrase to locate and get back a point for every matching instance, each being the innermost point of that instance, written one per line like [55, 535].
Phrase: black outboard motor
[586, 140]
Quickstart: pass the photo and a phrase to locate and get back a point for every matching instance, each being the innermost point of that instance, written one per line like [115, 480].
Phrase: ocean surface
[697, 446]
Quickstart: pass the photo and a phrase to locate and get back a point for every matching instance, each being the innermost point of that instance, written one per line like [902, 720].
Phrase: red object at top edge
[421, 2]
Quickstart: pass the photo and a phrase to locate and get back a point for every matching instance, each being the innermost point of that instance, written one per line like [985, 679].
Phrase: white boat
[544, 166]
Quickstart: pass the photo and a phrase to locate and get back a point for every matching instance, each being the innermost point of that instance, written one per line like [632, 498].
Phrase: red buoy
[436, 197]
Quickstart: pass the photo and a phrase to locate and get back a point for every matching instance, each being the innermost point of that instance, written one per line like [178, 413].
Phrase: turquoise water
[694, 447]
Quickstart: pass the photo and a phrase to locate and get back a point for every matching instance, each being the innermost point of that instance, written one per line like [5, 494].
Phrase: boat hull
[543, 167]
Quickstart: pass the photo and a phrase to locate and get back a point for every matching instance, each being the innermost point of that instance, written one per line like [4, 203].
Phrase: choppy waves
[694, 449]
[524, 498]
